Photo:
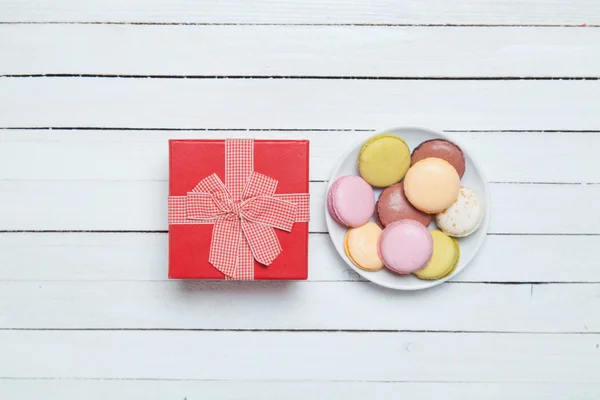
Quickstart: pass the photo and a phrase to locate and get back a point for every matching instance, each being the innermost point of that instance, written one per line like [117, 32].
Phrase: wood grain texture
[101, 389]
[576, 12]
[297, 357]
[299, 103]
[142, 155]
[290, 50]
[143, 257]
[299, 306]
[142, 206]
[91, 315]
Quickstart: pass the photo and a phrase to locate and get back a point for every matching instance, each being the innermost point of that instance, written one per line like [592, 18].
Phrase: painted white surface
[102, 321]
[330, 356]
[59, 389]
[300, 103]
[542, 12]
[290, 51]
[476, 307]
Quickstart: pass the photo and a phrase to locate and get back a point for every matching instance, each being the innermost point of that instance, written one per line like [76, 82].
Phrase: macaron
[384, 160]
[351, 201]
[464, 216]
[440, 148]
[405, 246]
[361, 246]
[393, 206]
[444, 259]
[431, 185]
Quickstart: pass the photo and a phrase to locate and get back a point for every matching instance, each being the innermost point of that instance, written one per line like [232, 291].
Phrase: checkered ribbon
[244, 211]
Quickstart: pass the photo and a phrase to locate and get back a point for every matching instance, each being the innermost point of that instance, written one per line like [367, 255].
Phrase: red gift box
[202, 205]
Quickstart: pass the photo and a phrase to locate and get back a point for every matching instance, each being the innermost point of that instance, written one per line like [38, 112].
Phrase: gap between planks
[584, 25]
[167, 129]
[359, 280]
[75, 378]
[311, 233]
[310, 77]
[299, 331]
[311, 181]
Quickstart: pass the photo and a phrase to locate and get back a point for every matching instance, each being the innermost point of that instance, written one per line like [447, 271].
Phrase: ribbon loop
[214, 186]
[259, 185]
[270, 211]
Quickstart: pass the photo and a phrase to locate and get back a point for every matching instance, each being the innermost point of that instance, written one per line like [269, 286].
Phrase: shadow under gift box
[190, 161]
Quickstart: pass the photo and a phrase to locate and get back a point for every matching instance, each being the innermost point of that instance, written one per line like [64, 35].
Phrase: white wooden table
[90, 92]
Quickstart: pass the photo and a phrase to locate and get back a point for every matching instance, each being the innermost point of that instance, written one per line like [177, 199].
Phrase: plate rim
[487, 213]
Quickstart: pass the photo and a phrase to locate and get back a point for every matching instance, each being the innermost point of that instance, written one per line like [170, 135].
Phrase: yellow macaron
[446, 253]
[361, 246]
[384, 160]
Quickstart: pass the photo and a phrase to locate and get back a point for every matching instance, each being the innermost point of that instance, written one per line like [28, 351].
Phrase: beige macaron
[431, 185]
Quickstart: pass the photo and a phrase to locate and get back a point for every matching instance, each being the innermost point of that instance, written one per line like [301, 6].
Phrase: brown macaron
[393, 206]
[440, 148]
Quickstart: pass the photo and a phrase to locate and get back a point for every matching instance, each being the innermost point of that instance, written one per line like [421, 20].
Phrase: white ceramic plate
[469, 246]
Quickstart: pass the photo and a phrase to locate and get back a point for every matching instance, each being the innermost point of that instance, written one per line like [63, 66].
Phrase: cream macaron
[464, 216]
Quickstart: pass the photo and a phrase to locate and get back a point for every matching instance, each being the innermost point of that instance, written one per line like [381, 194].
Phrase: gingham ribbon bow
[244, 211]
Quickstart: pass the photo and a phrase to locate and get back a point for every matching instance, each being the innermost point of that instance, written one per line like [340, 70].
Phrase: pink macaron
[405, 246]
[351, 201]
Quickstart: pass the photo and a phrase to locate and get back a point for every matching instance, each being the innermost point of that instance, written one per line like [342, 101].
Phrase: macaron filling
[330, 205]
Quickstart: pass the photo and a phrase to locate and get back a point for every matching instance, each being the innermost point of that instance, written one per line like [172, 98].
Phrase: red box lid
[190, 161]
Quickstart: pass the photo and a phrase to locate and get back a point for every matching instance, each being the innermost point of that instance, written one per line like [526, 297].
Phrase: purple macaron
[405, 246]
[351, 201]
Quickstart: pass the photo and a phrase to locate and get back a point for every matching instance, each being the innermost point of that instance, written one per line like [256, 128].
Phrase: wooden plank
[299, 305]
[301, 357]
[143, 257]
[60, 389]
[299, 103]
[143, 155]
[299, 50]
[310, 11]
[142, 206]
